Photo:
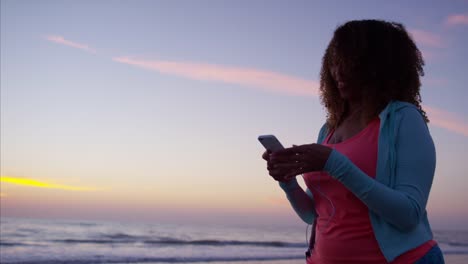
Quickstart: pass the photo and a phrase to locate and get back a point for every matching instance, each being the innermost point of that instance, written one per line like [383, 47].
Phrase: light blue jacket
[398, 195]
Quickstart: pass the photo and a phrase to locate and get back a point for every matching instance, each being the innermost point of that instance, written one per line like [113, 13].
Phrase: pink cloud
[265, 80]
[457, 19]
[429, 55]
[427, 38]
[270, 81]
[447, 120]
[63, 41]
[435, 81]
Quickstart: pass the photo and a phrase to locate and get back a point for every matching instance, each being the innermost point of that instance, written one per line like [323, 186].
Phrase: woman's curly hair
[377, 57]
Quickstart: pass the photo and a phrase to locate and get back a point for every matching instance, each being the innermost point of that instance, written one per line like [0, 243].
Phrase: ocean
[35, 241]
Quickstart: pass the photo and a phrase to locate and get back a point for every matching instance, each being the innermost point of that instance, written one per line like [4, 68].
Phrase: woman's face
[347, 89]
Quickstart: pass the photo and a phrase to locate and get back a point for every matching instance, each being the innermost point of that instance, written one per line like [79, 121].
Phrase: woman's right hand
[274, 173]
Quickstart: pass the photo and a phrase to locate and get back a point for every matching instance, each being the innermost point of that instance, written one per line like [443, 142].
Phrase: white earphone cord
[328, 199]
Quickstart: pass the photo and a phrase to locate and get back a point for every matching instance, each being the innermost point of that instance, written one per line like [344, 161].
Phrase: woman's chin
[343, 93]
[347, 94]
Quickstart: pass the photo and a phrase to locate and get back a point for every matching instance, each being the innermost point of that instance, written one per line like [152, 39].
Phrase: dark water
[54, 241]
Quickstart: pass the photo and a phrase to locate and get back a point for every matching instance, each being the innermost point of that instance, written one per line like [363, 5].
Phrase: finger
[302, 154]
[295, 168]
[293, 174]
[302, 157]
[286, 169]
[270, 166]
[286, 151]
[290, 151]
[279, 161]
[286, 165]
[266, 155]
[277, 177]
[280, 172]
[282, 159]
[289, 159]
[282, 178]
[290, 177]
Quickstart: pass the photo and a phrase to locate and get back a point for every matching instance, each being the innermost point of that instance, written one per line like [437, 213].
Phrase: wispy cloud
[427, 38]
[447, 120]
[266, 80]
[429, 55]
[271, 81]
[435, 81]
[63, 41]
[457, 19]
[40, 184]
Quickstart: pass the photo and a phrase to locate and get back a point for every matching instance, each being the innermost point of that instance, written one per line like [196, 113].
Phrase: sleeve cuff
[336, 165]
[289, 185]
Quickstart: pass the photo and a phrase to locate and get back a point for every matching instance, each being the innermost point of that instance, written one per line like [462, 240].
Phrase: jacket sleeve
[302, 201]
[404, 204]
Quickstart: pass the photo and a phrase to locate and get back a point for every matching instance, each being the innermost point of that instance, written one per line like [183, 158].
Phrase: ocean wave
[4, 243]
[453, 249]
[226, 243]
[27, 230]
[92, 241]
[11, 244]
[457, 244]
[127, 239]
[121, 236]
[84, 224]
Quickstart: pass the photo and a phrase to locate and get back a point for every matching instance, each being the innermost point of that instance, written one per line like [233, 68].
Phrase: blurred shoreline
[82, 242]
[449, 259]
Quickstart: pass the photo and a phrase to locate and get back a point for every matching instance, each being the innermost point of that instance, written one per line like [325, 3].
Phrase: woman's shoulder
[410, 113]
[402, 118]
[402, 109]
[323, 133]
[396, 105]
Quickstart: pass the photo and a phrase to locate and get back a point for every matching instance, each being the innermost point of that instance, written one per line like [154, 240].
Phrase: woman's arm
[405, 203]
[302, 202]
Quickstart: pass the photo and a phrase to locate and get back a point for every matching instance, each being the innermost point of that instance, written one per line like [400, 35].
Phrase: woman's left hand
[298, 160]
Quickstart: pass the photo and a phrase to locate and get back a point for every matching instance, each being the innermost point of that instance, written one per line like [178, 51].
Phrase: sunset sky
[150, 110]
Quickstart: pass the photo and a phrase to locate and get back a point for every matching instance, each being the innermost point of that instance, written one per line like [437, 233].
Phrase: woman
[368, 179]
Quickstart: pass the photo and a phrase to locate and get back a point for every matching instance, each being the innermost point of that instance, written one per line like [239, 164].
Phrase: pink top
[344, 233]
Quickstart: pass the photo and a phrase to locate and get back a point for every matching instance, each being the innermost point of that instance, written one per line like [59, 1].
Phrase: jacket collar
[391, 108]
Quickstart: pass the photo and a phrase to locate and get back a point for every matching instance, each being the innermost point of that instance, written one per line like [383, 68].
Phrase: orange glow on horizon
[38, 184]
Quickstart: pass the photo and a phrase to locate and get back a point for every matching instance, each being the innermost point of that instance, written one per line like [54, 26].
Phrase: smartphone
[270, 142]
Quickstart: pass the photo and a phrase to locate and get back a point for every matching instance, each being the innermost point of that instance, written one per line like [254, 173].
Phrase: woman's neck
[354, 105]
[355, 112]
